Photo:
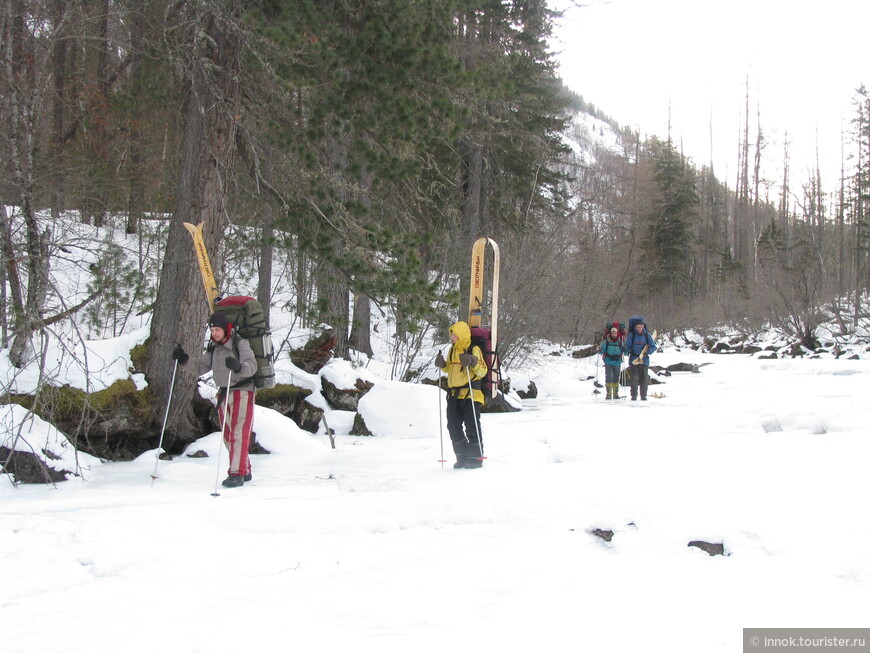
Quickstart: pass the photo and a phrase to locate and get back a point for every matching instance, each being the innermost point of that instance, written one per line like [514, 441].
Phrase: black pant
[463, 424]
[639, 376]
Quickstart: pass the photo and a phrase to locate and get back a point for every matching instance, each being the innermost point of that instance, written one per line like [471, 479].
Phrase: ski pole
[163, 428]
[622, 372]
[474, 414]
[440, 423]
[223, 430]
[596, 391]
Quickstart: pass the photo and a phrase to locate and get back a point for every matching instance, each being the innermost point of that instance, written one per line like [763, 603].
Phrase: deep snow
[375, 544]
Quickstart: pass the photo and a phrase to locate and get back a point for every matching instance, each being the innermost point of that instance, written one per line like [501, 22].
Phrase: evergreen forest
[356, 149]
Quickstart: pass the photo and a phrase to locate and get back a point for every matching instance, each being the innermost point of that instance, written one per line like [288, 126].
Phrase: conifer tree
[669, 215]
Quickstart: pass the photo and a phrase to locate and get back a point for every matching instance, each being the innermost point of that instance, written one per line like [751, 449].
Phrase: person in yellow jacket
[464, 362]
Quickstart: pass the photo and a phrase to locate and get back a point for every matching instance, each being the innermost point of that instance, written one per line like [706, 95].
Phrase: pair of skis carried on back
[485, 337]
[205, 269]
[477, 297]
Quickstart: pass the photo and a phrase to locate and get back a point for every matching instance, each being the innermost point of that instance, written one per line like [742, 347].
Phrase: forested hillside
[365, 145]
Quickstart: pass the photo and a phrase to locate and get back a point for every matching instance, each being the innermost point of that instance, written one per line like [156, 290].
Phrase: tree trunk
[135, 185]
[360, 334]
[180, 310]
[333, 301]
[59, 62]
[264, 280]
[22, 100]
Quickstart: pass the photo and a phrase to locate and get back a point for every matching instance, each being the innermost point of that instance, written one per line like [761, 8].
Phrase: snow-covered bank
[375, 544]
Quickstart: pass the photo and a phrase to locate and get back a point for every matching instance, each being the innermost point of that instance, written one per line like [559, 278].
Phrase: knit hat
[218, 320]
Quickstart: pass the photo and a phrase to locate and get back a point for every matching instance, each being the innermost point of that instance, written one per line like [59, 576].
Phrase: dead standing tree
[209, 59]
[25, 82]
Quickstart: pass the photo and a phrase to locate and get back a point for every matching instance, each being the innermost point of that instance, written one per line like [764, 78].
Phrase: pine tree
[669, 215]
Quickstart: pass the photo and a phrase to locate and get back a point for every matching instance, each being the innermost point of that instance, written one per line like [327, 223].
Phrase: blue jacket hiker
[611, 352]
[638, 344]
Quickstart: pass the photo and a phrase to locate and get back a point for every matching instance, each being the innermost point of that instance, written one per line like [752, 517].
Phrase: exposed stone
[531, 392]
[316, 353]
[26, 467]
[290, 401]
[711, 548]
[683, 367]
[255, 447]
[359, 426]
[604, 535]
[497, 404]
[586, 352]
[344, 398]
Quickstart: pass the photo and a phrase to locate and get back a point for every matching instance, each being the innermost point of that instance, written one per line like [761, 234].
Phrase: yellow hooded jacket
[457, 377]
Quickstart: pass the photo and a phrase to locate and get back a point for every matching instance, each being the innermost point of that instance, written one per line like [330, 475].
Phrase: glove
[439, 360]
[178, 354]
[468, 360]
[233, 364]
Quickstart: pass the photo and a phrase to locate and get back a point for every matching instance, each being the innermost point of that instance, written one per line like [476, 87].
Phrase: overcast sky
[638, 59]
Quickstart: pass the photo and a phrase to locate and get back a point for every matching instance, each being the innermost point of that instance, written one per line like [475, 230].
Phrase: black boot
[474, 459]
[459, 448]
[234, 480]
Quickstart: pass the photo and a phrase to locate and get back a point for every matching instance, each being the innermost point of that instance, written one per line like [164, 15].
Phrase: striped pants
[237, 430]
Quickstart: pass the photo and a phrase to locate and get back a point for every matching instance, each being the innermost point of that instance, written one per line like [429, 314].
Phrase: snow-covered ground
[375, 545]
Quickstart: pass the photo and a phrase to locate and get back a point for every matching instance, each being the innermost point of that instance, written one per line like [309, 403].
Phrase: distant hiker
[611, 352]
[464, 363]
[231, 360]
[638, 344]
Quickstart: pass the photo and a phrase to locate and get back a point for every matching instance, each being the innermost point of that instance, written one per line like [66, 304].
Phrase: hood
[463, 335]
[228, 332]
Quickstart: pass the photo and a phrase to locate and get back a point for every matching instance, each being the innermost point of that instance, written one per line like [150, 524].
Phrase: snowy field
[375, 545]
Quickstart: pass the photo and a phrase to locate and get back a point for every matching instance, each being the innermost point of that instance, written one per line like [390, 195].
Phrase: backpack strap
[234, 340]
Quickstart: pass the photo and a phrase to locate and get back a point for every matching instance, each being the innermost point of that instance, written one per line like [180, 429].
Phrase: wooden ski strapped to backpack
[485, 337]
[243, 312]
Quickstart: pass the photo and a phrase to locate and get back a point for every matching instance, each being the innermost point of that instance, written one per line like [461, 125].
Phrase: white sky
[634, 59]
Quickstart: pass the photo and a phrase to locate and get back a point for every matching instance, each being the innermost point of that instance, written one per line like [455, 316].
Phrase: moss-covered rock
[137, 357]
[289, 400]
[115, 423]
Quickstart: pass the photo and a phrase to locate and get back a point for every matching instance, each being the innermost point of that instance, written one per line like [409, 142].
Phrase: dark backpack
[249, 320]
[634, 320]
[482, 337]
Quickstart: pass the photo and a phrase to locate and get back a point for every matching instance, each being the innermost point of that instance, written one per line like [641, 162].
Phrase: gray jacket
[215, 361]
